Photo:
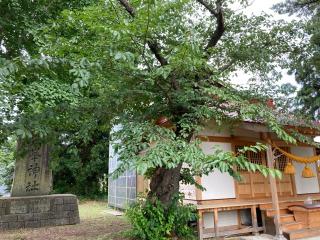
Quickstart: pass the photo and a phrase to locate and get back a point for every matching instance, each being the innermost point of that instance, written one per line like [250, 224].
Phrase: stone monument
[30, 204]
[32, 176]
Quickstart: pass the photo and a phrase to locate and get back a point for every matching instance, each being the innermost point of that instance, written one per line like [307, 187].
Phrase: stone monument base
[38, 211]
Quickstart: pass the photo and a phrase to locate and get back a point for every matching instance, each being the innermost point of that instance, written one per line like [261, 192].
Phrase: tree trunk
[164, 184]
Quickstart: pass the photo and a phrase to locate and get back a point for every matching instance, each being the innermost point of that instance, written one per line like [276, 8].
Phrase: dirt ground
[96, 224]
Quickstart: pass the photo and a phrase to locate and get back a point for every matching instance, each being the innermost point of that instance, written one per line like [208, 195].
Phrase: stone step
[302, 233]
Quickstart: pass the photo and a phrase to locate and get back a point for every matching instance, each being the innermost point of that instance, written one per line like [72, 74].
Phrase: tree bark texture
[164, 184]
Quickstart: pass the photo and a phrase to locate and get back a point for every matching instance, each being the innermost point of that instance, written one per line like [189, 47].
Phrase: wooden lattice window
[260, 158]
[281, 160]
[257, 158]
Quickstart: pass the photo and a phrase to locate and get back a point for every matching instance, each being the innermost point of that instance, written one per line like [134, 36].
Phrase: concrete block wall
[40, 211]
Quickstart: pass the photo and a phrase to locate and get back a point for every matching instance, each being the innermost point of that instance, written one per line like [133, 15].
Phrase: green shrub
[7, 163]
[154, 221]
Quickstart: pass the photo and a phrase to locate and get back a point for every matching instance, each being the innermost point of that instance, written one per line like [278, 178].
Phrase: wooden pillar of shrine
[274, 195]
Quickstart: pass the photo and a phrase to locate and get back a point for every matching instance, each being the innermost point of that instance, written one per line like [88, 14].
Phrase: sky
[256, 7]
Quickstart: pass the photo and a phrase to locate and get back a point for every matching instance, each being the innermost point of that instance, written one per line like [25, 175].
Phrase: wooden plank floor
[261, 202]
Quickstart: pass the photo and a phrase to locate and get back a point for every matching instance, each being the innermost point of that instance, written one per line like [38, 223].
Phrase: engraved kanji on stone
[33, 169]
[34, 155]
[32, 187]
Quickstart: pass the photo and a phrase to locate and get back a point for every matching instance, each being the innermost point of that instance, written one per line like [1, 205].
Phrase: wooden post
[316, 165]
[264, 221]
[274, 195]
[200, 225]
[239, 218]
[198, 191]
[216, 227]
[254, 220]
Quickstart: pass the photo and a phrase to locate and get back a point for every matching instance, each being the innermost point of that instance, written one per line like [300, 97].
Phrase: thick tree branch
[220, 28]
[217, 34]
[152, 44]
[155, 49]
[208, 6]
[128, 7]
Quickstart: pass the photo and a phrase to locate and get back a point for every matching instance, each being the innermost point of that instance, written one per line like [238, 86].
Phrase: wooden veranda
[291, 228]
[284, 216]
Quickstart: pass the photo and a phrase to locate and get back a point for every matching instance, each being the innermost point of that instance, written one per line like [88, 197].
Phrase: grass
[92, 209]
[96, 224]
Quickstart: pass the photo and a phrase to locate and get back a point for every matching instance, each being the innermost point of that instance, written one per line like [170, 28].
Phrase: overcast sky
[256, 7]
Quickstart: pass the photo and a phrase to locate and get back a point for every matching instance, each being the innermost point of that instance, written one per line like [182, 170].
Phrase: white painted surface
[189, 191]
[218, 185]
[317, 139]
[304, 185]
[227, 218]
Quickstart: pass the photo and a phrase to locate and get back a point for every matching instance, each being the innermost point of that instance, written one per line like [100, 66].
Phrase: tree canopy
[134, 62]
[37, 100]
[306, 59]
[19, 18]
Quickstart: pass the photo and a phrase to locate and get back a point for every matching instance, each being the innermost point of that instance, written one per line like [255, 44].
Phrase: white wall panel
[218, 185]
[304, 185]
